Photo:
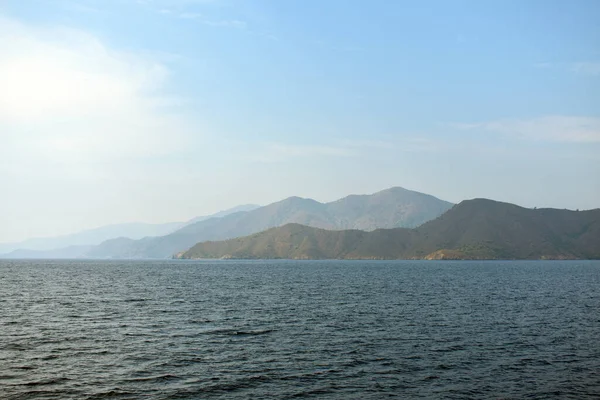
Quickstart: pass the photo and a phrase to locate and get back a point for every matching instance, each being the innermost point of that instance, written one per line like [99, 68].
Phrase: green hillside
[473, 229]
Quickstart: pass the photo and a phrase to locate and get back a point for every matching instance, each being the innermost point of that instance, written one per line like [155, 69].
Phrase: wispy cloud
[226, 23]
[202, 19]
[556, 128]
[280, 152]
[339, 48]
[460, 39]
[272, 152]
[586, 68]
[308, 151]
[420, 145]
[80, 7]
[185, 15]
[406, 143]
[367, 143]
[174, 3]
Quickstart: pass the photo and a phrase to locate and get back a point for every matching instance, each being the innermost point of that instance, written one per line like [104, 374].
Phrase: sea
[226, 329]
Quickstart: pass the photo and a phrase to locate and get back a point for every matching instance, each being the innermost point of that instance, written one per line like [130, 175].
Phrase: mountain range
[390, 208]
[78, 244]
[93, 236]
[473, 229]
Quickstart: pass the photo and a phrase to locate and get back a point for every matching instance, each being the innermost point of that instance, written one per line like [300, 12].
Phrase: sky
[117, 111]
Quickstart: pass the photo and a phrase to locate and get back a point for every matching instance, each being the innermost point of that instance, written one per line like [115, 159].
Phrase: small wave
[14, 346]
[309, 375]
[53, 381]
[111, 393]
[199, 321]
[228, 387]
[250, 333]
[354, 362]
[25, 367]
[8, 377]
[160, 378]
[45, 394]
[235, 332]
[312, 393]
[450, 349]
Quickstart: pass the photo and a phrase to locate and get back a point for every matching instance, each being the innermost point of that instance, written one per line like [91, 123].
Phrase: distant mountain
[66, 252]
[78, 244]
[233, 210]
[391, 208]
[93, 236]
[473, 229]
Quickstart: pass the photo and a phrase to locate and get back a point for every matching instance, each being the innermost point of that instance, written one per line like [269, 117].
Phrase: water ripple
[299, 329]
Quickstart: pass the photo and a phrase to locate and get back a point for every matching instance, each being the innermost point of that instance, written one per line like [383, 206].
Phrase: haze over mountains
[395, 223]
[391, 208]
[93, 236]
[77, 244]
[473, 229]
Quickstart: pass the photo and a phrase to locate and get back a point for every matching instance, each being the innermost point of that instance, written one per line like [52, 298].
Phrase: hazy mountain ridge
[113, 237]
[473, 229]
[220, 214]
[64, 252]
[135, 230]
[389, 208]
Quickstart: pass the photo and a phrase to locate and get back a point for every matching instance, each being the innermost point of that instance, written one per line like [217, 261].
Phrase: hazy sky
[161, 110]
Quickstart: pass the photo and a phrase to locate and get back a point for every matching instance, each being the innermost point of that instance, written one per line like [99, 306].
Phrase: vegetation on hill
[473, 229]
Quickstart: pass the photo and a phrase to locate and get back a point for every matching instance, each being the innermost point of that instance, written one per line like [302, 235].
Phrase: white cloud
[67, 97]
[557, 128]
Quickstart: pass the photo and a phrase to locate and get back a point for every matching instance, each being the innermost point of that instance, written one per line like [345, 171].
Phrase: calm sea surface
[308, 329]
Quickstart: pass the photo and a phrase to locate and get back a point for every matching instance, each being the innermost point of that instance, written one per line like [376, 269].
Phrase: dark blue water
[284, 329]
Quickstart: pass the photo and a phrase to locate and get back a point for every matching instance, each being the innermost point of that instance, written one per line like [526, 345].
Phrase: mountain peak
[467, 231]
[298, 201]
[398, 208]
[395, 189]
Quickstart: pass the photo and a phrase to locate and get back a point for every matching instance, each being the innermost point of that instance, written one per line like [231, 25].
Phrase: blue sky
[161, 110]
